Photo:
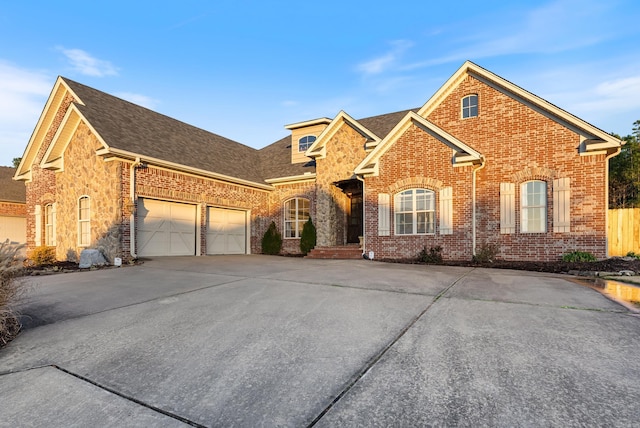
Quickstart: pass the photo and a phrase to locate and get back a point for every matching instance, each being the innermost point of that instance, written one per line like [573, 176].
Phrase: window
[84, 224]
[296, 214]
[533, 195]
[415, 212]
[470, 106]
[49, 225]
[305, 142]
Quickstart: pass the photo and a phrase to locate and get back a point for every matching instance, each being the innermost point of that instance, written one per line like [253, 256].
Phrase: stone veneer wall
[344, 151]
[521, 144]
[86, 174]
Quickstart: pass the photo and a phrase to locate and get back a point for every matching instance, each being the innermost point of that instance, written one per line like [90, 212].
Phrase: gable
[461, 153]
[591, 140]
[319, 148]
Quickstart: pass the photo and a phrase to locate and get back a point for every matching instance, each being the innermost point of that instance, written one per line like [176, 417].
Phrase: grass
[11, 289]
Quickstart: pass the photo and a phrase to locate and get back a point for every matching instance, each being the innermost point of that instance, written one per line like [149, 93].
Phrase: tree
[16, 162]
[624, 172]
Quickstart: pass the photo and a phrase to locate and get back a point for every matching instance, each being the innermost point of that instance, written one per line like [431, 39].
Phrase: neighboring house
[13, 208]
[482, 162]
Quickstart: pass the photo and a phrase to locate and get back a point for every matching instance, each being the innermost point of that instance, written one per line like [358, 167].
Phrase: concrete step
[338, 252]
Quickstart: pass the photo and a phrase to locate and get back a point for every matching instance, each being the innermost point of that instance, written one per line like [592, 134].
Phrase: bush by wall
[272, 240]
[43, 256]
[308, 237]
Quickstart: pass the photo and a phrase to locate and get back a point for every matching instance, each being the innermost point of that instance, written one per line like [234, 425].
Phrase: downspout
[606, 197]
[132, 217]
[473, 204]
[364, 210]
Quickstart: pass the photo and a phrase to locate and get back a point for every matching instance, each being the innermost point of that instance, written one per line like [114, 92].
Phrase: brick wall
[284, 192]
[13, 209]
[419, 160]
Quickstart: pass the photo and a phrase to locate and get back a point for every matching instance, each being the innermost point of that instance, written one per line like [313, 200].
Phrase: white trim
[81, 221]
[307, 176]
[446, 211]
[320, 121]
[507, 208]
[319, 150]
[38, 225]
[562, 205]
[297, 218]
[384, 214]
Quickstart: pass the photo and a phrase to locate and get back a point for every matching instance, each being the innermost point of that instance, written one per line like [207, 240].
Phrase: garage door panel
[166, 228]
[226, 231]
[13, 228]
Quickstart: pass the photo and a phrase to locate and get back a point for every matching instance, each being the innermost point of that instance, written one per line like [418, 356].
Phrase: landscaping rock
[90, 257]
[626, 273]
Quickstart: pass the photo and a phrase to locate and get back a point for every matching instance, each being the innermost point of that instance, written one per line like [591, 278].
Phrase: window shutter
[383, 214]
[38, 216]
[53, 220]
[507, 208]
[446, 211]
[562, 205]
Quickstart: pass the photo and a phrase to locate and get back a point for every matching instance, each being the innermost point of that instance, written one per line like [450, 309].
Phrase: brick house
[481, 162]
[13, 208]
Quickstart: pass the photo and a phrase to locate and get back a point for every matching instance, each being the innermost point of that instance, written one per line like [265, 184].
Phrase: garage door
[166, 228]
[226, 231]
[13, 228]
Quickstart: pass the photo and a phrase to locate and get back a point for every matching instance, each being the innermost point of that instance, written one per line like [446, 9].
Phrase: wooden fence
[624, 231]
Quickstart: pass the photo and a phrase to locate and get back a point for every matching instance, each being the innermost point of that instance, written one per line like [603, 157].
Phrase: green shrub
[42, 256]
[11, 288]
[272, 240]
[434, 255]
[579, 256]
[634, 255]
[308, 237]
[486, 253]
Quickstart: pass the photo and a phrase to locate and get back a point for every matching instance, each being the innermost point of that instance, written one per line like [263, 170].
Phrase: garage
[13, 228]
[166, 228]
[226, 231]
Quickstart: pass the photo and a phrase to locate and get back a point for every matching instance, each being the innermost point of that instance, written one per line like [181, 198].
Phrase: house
[13, 208]
[483, 161]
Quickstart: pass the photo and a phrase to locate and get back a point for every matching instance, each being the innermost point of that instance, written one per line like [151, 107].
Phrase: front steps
[338, 252]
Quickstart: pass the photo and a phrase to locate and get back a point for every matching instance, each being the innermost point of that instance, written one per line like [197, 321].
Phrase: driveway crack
[129, 398]
[372, 362]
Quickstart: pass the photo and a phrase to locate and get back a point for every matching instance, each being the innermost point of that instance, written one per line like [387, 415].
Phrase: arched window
[533, 212]
[84, 222]
[470, 106]
[415, 212]
[305, 142]
[296, 214]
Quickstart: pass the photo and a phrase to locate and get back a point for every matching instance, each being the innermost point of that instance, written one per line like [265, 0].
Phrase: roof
[276, 161]
[10, 190]
[126, 126]
[383, 124]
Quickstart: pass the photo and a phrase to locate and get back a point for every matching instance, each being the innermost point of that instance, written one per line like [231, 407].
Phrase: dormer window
[470, 106]
[305, 142]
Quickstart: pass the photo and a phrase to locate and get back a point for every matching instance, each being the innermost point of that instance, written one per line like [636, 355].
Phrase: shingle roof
[127, 126]
[132, 128]
[10, 190]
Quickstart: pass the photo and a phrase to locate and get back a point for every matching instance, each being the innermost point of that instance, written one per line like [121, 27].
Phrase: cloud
[386, 61]
[613, 95]
[23, 93]
[289, 103]
[139, 99]
[84, 63]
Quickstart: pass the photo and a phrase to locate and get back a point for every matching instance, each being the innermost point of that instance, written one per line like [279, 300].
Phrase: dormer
[303, 135]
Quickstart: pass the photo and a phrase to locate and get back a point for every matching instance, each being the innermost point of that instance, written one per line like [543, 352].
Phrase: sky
[245, 69]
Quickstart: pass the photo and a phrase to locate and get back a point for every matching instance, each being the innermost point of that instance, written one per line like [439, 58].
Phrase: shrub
[579, 256]
[634, 255]
[486, 253]
[42, 256]
[308, 237]
[434, 255]
[272, 240]
[10, 290]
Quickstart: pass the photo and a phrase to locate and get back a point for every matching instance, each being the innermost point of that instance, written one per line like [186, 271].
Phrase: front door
[354, 219]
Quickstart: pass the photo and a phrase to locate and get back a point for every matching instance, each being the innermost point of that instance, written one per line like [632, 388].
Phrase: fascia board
[318, 149]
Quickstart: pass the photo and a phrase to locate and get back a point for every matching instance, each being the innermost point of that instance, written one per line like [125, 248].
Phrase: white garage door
[14, 229]
[226, 231]
[166, 228]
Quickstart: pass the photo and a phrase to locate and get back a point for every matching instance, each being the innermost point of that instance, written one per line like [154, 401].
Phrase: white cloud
[84, 63]
[139, 99]
[289, 103]
[23, 93]
[386, 61]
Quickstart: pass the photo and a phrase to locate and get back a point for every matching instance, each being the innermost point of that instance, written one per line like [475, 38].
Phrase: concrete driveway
[273, 341]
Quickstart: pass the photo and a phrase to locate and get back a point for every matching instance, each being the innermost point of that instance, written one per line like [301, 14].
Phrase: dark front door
[354, 220]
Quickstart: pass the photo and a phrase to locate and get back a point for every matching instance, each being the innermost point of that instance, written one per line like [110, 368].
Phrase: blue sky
[245, 69]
